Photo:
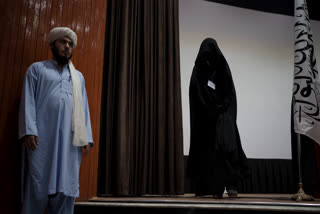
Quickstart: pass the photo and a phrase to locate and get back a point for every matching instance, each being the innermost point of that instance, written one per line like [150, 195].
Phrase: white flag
[306, 94]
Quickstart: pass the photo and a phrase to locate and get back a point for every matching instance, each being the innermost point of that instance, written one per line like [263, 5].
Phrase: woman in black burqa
[216, 158]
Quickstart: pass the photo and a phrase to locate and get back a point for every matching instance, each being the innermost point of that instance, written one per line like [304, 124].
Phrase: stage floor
[248, 202]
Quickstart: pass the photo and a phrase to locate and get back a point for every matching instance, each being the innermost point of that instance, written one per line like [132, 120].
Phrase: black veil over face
[209, 54]
[215, 139]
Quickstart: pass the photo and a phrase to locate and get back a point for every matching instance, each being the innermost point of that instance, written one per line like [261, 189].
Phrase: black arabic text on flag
[306, 93]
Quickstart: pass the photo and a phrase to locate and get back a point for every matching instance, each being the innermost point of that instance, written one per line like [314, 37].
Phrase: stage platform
[189, 204]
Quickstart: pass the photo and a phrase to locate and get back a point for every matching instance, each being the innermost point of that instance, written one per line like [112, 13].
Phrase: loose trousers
[56, 204]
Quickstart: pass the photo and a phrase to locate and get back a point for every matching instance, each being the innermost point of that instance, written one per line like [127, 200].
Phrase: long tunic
[46, 112]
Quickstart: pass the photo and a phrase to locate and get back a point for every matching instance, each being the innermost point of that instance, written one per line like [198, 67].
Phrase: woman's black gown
[216, 158]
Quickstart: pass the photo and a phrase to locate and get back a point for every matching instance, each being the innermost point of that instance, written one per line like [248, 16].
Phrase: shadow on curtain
[141, 140]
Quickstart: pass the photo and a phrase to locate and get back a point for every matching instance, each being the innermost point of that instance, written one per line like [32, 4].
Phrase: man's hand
[30, 142]
[86, 149]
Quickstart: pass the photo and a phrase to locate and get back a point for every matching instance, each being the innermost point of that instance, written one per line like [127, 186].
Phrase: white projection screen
[259, 48]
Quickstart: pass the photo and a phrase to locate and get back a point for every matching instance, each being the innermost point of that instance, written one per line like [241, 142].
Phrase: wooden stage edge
[252, 202]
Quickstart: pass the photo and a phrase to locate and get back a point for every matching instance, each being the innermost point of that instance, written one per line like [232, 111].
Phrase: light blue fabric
[56, 204]
[46, 111]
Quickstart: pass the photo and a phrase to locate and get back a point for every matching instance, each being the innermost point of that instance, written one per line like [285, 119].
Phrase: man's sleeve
[27, 111]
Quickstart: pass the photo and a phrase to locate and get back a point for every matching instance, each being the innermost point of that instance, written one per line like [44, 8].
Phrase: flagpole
[301, 195]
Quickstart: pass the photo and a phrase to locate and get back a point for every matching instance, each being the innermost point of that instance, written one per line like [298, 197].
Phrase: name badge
[211, 85]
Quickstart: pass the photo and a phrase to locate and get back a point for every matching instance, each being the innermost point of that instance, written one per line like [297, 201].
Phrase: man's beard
[62, 60]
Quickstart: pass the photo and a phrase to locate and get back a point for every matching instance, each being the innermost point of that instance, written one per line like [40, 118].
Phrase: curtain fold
[267, 176]
[141, 147]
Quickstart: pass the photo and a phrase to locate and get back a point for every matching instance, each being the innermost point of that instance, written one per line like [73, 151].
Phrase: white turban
[60, 32]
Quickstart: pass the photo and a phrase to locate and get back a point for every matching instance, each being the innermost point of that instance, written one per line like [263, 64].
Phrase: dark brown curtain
[141, 142]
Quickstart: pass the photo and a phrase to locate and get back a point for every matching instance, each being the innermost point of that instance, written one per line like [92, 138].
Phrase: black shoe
[232, 192]
[198, 194]
[201, 194]
[217, 196]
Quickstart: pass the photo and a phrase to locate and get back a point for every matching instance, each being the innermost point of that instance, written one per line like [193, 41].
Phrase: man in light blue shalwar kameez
[54, 125]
